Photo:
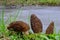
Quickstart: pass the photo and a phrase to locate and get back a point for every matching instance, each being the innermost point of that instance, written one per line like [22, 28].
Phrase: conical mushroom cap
[36, 24]
[50, 28]
[19, 26]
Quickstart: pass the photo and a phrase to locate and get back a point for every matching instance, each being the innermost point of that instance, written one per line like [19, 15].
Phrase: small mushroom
[36, 24]
[19, 26]
[50, 28]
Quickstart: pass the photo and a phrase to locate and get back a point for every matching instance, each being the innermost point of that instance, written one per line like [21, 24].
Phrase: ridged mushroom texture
[19, 26]
[50, 28]
[36, 24]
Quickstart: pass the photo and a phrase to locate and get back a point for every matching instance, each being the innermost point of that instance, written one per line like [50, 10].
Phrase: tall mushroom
[50, 28]
[19, 26]
[36, 24]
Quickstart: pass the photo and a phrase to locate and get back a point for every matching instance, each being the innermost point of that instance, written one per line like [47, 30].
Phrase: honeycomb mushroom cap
[36, 24]
[50, 28]
[18, 26]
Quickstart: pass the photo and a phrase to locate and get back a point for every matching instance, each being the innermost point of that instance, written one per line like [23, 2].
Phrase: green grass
[31, 2]
[6, 34]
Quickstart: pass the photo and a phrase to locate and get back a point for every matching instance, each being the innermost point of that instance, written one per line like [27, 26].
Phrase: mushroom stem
[26, 32]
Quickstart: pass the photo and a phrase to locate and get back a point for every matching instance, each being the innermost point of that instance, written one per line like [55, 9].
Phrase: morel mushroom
[19, 26]
[50, 28]
[36, 24]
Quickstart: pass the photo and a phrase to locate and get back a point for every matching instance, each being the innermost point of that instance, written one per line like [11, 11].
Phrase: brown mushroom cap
[19, 26]
[50, 28]
[36, 24]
